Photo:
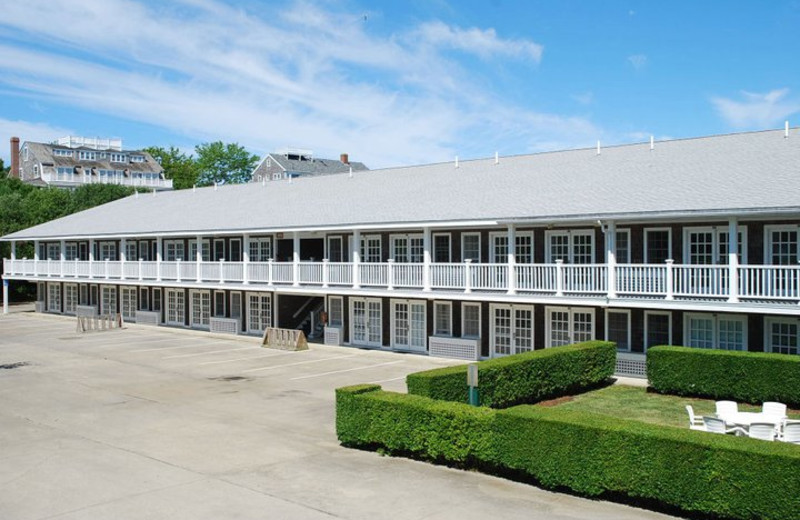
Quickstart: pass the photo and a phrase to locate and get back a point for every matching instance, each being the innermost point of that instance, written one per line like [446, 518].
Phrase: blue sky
[396, 82]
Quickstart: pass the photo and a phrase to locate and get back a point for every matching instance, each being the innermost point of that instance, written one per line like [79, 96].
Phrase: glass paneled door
[365, 322]
[409, 330]
[512, 329]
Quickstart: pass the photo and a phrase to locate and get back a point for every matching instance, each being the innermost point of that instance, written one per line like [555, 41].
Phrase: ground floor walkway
[151, 422]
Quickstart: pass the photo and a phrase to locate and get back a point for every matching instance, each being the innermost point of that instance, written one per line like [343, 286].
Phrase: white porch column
[733, 261]
[159, 257]
[611, 258]
[5, 296]
[123, 254]
[669, 281]
[91, 258]
[426, 259]
[512, 259]
[13, 256]
[199, 256]
[62, 255]
[295, 259]
[355, 256]
[245, 259]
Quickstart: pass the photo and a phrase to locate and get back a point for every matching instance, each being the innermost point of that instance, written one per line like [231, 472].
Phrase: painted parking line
[199, 345]
[298, 363]
[128, 340]
[206, 353]
[385, 380]
[278, 353]
[345, 370]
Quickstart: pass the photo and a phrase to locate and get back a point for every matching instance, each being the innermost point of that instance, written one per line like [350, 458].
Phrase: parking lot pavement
[160, 423]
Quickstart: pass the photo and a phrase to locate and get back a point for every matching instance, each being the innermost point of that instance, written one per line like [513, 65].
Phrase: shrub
[593, 455]
[752, 377]
[522, 378]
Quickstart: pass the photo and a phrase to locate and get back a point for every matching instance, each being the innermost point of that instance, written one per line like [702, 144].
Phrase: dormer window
[60, 152]
[119, 157]
[85, 155]
[137, 158]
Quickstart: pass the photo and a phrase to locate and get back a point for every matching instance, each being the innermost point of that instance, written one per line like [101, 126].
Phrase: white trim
[407, 237]
[715, 324]
[366, 302]
[199, 324]
[570, 234]
[720, 257]
[493, 307]
[54, 298]
[262, 298]
[622, 231]
[627, 313]
[393, 343]
[340, 322]
[645, 232]
[771, 320]
[656, 313]
[571, 312]
[468, 234]
[449, 332]
[241, 305]
[144, 301]
[480, 324]
[768, 230]
[102, 303]
[493, 235]
[180, 295]
[215, 311]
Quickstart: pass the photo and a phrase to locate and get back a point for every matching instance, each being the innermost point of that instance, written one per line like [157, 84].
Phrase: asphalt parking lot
[150, 422]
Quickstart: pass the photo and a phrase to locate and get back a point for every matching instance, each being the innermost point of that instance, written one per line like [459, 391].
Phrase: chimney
[14, 171]
[344, 158]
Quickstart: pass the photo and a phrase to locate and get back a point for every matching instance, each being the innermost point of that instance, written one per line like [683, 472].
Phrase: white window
[236, 305]
[118, 157]
[144, 250]
[782, 335]
[176, 306]
[108, 250]
[618, 328]
[206, 250]
[470, 320]
[657, 328]
[144, 299]
[371, 249]
[260, 249]
[235, 252]
[63, 171]
[83, 298]
[85, 155]
[566, 325]
[511, 328]
[366, 327]
[441, 247]
[71, 251]
[781, 245]
[53, 251]
[408, 324]
[70, 298]
[709, 245]
[442, 318]
[53, 297]
[137, 158]
[407, 248]
[498, 253]
[571, 246]
[128, 302]
[623, 246]
[200, 308]
[471, 246]
[108, 301]
[335, 311]
[219, 249]
[657, 245]
[60, 152]
[219, 304]
[335, 252]
[130, 251]
[157, 300]
[259, 312]
[174, 250]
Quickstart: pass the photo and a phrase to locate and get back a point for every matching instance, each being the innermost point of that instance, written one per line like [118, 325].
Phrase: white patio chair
[774, 410]
[726, 409]
[717, 425]
[695, 421]
[791, 432]
[762, 430]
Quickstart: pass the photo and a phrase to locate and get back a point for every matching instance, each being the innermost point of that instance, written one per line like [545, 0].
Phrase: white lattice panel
[224, 325]
[333, 336]
[148, 317]
[39, 306]
[453, 348]
[85, 310]
[631, 365]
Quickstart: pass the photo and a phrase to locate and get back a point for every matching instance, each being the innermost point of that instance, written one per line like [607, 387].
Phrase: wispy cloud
[307, 76]
[757, 110]
[639, 61]
[585, 98]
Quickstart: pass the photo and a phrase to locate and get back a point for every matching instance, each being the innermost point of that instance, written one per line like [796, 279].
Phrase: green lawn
[636, 403]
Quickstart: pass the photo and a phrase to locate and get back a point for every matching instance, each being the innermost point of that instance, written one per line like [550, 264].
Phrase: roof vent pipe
[786, 129]
[215, 186]
[194, 188]
[263, 182]
[496, 158]
[652, 143]
[456, 161]
[350, 175]
[598, 147]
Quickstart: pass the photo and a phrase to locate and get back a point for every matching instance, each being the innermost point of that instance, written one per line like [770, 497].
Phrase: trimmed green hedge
[752, 377]
[593, 455]
[522, 378]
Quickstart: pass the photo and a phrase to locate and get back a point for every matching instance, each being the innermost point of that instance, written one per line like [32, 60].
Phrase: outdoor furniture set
[770, 424]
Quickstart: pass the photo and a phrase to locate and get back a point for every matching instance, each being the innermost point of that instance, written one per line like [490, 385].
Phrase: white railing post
[325, 273]
[62, 257]
[426, 259]
[611, 260]
[178, 269]
[123, 257]
[199, 258]
[91, 258]
[669, 280]
[355, 256]
[159, 256]
[733, 261]
[140, 269]
[221, 271]
[390, 275]
[559, 277]
[105, 268]
[77, 263]
[269, 272]
[468, 275]
[295, 259]
[246, 259]
[512, 259]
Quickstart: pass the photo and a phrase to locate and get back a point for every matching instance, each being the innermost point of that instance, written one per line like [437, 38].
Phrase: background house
[294, 162]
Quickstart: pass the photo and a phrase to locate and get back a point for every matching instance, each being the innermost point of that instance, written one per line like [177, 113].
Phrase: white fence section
[225, 325]
[701, 280]
[85, 310]
[630, 364]
[148, 317]
[769, 282]
[333, 335]
[454, 348]
[641, 279]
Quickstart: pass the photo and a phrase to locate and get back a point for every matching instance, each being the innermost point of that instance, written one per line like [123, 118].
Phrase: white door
[409, 326]
[512, 329]
[366, 327]
[70, 298]
[129, 303]
[176, 305]
[200, 308]
[108, 302]
[259, 312]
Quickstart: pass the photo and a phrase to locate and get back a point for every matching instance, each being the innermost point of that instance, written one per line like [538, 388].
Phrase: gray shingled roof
[735, 174]
[44, 153]
[316, 166]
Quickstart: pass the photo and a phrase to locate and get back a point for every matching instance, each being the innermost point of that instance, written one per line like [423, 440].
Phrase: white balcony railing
[668, 281]
[76, 179]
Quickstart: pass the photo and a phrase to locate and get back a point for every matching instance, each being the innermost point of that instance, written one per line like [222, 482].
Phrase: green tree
[178, 166]
[223, 163]
[91, 195]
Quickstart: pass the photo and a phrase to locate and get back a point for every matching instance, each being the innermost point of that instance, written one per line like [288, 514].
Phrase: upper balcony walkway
[78, 180]
[757, 283]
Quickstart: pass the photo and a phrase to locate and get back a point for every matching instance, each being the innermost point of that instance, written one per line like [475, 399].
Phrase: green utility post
[472, 382]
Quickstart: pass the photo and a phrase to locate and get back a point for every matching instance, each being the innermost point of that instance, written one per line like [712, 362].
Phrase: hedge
[752, 377]
[592, 455]
[522, 378]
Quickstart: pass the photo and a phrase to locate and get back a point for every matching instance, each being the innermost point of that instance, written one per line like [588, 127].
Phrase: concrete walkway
[157, 423]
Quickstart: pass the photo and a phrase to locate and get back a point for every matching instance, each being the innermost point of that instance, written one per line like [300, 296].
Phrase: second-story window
[407, 248]
[118, 157]
[260, 249]
[60, 152]
[573, 246]
[85, 155]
